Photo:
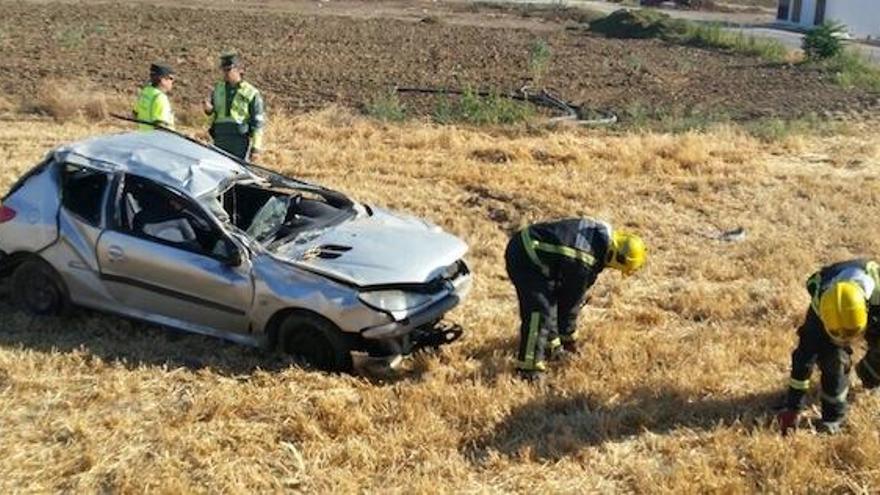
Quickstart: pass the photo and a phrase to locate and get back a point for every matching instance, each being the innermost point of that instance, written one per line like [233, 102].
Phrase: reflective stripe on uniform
[532, 246]
[799, 384]
[529, 245]
[538, 366]
[814, 286]
[532, 339]
[573, 253]
[873, 270]
[557, 342]
[839, 399]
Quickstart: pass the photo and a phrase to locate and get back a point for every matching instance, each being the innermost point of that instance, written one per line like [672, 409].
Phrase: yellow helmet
[627, 252]
[843, 311]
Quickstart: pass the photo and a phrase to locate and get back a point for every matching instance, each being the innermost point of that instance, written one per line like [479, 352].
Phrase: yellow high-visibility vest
[153, 106]
[239, 112]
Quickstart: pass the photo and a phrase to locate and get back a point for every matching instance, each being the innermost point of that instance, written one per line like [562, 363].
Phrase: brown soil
[302, 61]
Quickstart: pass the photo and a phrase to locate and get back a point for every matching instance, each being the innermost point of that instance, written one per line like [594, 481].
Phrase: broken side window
[83, 192]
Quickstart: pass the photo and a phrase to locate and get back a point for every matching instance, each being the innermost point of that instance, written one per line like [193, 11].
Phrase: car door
[186, 277]
[81, 220]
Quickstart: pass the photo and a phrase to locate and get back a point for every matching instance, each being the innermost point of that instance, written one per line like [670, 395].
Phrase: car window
[152, 211]
[83, 192]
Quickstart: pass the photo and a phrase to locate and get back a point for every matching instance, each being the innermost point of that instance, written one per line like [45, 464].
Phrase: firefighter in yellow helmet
[152, 104]
[552, 266]
[845, 307]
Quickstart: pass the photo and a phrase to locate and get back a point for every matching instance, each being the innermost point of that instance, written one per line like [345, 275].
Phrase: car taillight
[6, 214]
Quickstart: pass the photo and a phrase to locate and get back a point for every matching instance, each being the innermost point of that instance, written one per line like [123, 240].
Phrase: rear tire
[315, 341]
[39, 290]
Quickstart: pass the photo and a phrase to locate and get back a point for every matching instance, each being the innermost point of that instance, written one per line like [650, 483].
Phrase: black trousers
[815, 347]
[539, 309]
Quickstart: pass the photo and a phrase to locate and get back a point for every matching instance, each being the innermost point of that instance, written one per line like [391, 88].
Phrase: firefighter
[552, 265]
[152, 104]
[845, 306]
[237, 113]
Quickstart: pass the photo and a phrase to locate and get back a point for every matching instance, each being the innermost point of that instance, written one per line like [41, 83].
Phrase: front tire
[39, 290]
[315, 341]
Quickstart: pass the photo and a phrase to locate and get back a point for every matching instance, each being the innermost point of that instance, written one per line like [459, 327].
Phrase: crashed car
[158, 227]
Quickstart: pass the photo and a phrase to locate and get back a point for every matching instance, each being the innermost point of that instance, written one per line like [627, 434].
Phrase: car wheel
[315, 341]
[38, 289]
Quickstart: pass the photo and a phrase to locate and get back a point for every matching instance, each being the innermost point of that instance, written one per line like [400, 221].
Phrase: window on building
[782, 13]
[796, 10]
[820, 12]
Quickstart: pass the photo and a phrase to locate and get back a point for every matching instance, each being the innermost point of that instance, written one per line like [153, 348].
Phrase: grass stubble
[680, 367]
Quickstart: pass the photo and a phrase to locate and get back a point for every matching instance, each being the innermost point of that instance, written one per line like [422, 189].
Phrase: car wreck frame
[155, 226]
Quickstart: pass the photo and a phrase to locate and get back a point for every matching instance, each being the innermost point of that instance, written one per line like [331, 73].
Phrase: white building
[861, 17]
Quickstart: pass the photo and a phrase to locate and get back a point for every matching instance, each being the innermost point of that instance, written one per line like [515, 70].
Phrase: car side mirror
[233, 255]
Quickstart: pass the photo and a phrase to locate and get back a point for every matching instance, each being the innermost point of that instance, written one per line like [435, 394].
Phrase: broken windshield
[269, 218]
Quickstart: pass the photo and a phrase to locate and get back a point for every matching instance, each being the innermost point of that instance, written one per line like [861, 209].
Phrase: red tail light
[6, 214]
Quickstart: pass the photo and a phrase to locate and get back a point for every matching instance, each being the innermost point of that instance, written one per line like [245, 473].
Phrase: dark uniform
[815, 346]
[552, 265]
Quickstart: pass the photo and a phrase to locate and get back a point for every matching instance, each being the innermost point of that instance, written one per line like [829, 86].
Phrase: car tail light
[6, 214]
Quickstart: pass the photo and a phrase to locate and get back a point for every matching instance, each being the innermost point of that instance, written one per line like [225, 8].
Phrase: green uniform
[153, 106]
[238, 119]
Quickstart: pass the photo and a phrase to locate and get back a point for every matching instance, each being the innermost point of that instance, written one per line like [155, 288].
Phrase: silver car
[157, 227]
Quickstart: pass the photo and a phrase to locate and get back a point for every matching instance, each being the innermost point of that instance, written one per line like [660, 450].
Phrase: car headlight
[394, 300]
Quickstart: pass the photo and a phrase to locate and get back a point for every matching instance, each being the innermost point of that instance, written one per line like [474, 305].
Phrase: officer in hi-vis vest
[152, 104]
[238, 116]
[845, 306]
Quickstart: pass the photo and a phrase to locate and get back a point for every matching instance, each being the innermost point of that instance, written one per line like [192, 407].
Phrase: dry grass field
[682, 361]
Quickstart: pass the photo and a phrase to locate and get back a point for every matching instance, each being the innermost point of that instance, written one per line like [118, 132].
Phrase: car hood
[378, 249]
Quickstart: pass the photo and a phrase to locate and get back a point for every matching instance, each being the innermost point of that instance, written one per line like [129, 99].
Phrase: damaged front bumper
[420, 330]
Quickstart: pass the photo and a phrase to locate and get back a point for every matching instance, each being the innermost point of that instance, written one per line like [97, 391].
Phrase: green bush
[647, 23]
[473, 108]
[823, 42]
[643, 23]
[714, 36]
[852, 70]
[539, 60]
[386, 107]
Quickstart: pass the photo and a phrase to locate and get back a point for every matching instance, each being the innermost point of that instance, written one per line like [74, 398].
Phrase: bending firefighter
[237, 112]
[845, 307]
[552, 265]
[152, 104]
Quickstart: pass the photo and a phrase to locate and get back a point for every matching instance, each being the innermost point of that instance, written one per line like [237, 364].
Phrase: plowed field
[303, 60]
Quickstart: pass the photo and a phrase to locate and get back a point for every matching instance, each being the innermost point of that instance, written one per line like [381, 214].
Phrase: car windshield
[271, 215]
[269, 218]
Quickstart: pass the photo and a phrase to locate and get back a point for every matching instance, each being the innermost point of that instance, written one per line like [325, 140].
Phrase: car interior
[149, 210]
[270, 214]
[83, 192]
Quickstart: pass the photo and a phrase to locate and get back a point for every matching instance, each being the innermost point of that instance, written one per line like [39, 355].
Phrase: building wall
[861, 17]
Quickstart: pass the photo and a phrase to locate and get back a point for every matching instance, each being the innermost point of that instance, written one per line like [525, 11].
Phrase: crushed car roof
[160, 156]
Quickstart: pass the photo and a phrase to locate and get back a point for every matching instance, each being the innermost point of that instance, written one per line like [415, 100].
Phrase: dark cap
[158, 70]
[229, 60]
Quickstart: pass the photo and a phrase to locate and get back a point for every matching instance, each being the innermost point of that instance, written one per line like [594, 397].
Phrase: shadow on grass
[130, 343]
[135, 344]
[551, 427]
